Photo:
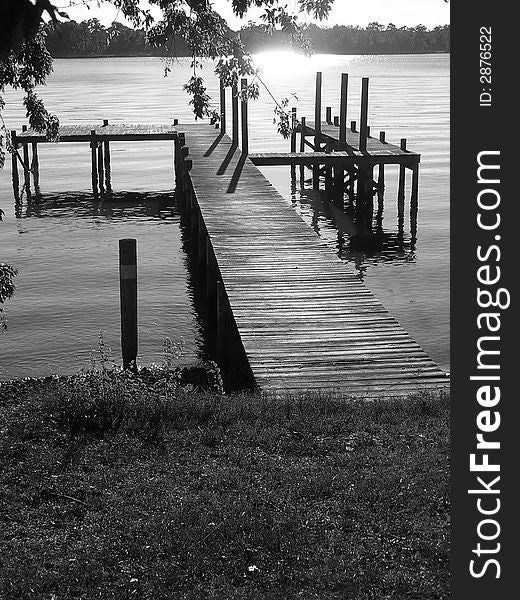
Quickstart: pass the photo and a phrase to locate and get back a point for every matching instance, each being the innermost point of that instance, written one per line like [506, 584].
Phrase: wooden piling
[100, 165]
[414, 200]
[35, 168]
[401, 186]
[26, 166]
[108, 168]
[245, 125]
[14, 166]
[293, 129]
[128, 300]
[303, 125]
[234, 114]
[328, 115]
[222, 107]
[353, 126]
[363, 128]
[382, 137]
[343, 108]
[93, 148]
[317, 108]
[336, 121]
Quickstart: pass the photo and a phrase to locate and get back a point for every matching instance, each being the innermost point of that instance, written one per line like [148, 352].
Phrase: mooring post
[222, 106]
[128, 299]
[245, 124]
[414, 199]
[336, 121]
[343, 108]
[26, 167]
[363, 129]
[353, 126]
[108, 175]
[14, 166]
[93, 147]
[328, 115]
[234, 111]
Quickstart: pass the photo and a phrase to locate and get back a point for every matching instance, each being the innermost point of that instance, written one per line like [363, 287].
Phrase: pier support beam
[14, 167]
[26, 166]
[35, 168]
[108, 168]
[93, 157]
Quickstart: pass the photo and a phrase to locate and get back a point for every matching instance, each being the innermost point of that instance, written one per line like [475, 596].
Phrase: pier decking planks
[305, 320]
[118, 132]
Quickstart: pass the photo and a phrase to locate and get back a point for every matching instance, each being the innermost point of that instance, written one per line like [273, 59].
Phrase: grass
[114, 487]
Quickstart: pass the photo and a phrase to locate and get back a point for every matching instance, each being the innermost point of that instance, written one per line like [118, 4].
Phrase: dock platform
[305, 320]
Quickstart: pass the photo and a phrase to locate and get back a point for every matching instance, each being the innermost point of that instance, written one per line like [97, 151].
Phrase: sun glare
[280, 63]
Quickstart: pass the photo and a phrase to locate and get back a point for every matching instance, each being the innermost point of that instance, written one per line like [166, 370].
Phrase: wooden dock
[305, 320]
[302, 318]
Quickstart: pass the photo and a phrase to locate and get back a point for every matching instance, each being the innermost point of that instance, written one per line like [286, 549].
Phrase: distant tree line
[91, 38]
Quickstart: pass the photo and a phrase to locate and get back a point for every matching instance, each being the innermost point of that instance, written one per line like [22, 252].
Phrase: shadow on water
[116, 206]
[203, 274]
[354, 225]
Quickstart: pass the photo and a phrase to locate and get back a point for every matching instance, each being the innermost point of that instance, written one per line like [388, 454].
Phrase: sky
[344, 12]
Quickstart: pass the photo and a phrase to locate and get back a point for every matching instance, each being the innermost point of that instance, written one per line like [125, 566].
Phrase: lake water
[66, 249]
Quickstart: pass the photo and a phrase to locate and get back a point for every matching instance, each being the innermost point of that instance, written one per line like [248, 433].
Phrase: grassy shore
[115, 487]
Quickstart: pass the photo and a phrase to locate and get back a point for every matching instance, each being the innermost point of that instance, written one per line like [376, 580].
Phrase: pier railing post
[245, 131]
[128, 299]
[93, 148]
[234, 113]
[108, 177]
[222, 107]
[363, 132]
[343, 108]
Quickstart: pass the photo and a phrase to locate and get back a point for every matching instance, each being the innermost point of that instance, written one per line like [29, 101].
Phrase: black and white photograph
[226, 328]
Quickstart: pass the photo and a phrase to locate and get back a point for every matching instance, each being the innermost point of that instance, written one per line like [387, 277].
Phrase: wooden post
[101, 163]
[108, 174]
[343, 108]
[175, 122]
[26, 167]
[328, 169]
[414, 200]
[363, 132]
[382, 137]
[221, 322]
[336, 121]
[245, 131]
[128, 299]
[222, 107]
[35, 167]
[234, 111]
[14, 166]
[293, 129]
[353, 126]
[303, 125]
[93, 147]
[317, 107]
[401, 186]
[328, 114]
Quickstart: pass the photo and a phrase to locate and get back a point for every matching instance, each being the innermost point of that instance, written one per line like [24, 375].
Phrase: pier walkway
[305, 320]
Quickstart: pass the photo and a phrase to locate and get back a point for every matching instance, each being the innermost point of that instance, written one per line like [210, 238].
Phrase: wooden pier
[303, 319]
